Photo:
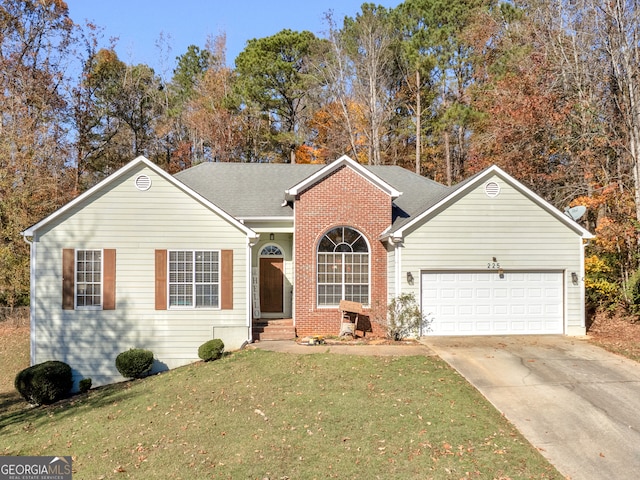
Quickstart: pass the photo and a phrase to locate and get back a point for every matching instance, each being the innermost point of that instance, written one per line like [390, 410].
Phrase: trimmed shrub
[84, 385]
[44, 383]
[211, 350]
[134, 363]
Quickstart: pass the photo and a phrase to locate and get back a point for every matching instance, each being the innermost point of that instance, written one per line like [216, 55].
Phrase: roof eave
[291, 193]
[30, 232]
[482, 176]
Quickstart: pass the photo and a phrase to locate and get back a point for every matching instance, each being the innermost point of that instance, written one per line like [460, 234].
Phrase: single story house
[149, 260]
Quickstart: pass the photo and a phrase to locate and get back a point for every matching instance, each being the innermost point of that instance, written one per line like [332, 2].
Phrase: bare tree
[618, 25]
[369, 41]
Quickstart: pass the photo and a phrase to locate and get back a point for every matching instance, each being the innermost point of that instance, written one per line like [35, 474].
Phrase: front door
[271, 284]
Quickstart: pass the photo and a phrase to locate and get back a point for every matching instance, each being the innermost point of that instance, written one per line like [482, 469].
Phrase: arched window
[271, 251]
[343, 267]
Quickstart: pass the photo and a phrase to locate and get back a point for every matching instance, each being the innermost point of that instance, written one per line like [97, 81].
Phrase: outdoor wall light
[574, 278]
[409, 278]
[501, 273]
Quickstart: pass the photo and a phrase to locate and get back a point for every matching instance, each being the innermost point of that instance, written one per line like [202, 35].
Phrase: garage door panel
[535, 310]
[500, 290]
[518, 293]
[552, 309]
[466, 293]
[465, 327]
[449, 310]
[481, 326]
[481, 303]
[447, 293]
[534, 292]
[483, 293]
[499, 326]
[501, 309]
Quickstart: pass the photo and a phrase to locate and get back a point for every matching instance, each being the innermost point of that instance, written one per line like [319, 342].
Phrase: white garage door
[482, 303]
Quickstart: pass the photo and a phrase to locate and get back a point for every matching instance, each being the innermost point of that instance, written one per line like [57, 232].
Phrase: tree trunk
[622, 41]
[418, 122]
[447, 157]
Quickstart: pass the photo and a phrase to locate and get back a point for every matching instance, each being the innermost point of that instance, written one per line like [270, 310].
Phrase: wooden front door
[271, 285]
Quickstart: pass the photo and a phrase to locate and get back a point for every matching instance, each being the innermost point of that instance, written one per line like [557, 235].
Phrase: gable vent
[492, 189]
[143, 182]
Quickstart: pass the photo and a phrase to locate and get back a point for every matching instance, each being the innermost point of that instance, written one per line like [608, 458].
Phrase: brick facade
[343, 198]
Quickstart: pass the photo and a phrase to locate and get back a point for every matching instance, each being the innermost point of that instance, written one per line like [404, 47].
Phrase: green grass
[258, 414]
[14, 356]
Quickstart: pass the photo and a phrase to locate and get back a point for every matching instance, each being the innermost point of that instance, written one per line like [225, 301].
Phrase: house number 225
[493, 265]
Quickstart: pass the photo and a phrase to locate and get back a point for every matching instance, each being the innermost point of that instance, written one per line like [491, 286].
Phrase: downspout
[32, 299]
[397, 267]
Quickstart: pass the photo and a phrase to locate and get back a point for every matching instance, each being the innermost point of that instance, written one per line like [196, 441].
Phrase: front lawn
[258, 414]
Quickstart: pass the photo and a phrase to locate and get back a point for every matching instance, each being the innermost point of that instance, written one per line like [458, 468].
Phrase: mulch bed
[357, 340]
[616, 332]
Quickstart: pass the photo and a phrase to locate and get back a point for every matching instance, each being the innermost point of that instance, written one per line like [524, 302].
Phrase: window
[194, 279]
[271, 250]
[89, 278]
[343, 267]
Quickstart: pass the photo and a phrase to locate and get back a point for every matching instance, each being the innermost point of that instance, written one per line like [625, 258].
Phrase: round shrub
[211, 350]
[44, 383]
[84, 385]
[134, 363]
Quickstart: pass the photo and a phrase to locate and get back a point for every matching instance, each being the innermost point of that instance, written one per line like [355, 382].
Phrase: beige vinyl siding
[135, 223]
[520, 234]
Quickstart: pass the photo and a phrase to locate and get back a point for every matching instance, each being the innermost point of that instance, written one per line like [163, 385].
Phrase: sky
[139, 24]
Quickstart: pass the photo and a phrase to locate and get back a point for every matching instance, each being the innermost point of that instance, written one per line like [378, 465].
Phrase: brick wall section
[344, 198]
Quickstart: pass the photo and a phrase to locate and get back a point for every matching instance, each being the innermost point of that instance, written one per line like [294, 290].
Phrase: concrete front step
[277, 329]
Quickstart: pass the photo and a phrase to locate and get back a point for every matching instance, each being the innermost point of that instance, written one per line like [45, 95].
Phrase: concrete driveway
[578, 404]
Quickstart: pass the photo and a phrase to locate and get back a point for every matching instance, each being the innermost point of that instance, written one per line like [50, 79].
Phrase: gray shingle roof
[246, 189]
[418, 193]
[250, 190]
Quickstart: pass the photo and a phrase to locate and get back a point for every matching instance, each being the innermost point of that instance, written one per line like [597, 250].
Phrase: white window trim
[193, 294]
[75, 279]
[334, 306]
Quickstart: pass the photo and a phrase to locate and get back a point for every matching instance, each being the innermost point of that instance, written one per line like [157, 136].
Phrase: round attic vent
[143, 182]
[492, 189]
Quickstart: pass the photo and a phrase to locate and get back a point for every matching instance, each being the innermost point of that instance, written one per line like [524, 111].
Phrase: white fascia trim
[584, 233]
[80, 198]
[494, 170]
[292, 192]
[124, 171]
